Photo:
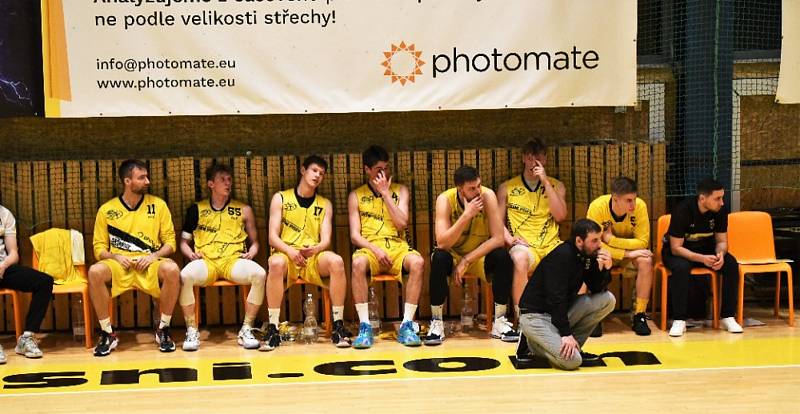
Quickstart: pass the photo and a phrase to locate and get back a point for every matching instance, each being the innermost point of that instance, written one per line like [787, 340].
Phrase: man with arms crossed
[698, 236]
[469, 239]
[533, 205]
[300, 228]
[133, 237]
[626, 235]
[555, 321]
[378, 215]
[220, 229]
[24, 279]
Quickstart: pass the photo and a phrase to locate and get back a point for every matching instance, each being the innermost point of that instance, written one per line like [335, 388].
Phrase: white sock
[165, 320]
[410, 310]
[338, 313]
[363, 312]
[105, 325]
[274, 316]
[248, 321]
[500, 310]
[437, 311]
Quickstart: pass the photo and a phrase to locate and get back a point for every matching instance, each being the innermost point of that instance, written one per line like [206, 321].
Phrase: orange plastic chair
[83, 290]
[659, 268]
[17, 305]
[217, 283]
[750, 240]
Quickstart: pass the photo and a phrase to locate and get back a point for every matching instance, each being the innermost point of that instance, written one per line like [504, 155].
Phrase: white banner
[183, 57]
[789, 78]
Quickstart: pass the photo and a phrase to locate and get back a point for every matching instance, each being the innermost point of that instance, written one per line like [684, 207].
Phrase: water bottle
[467, 310]
[374, 317]
[78, 327]
[310, 324]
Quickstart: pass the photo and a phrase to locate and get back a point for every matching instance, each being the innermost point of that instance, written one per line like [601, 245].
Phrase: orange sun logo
[403, 63]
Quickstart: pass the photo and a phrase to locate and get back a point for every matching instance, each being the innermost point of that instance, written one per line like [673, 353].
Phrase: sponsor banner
[182, 57]
[789, 78]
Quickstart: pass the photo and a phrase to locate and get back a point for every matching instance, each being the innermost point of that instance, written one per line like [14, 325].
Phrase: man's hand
[569, 347]
[604, 261]
[460, 270]
[539, 172]
[308, 251]
[381, 183]
[125, 261]
[519, 241]
[639, 253]
[249, 254]
[141, 263]
[708, 260]
[607, 234]
[296, 257]
[383, 258]
[195, 256]
[720, 260]
[473, 207]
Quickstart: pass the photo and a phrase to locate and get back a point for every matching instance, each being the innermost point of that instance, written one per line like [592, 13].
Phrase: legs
[195, 273]
[522, 258]
[25, 279]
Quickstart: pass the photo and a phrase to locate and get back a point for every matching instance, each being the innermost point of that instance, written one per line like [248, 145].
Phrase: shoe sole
[243, 345]
[505, 339]
[190, 349]
[411, 345]
[433, 343]
[110, 348]
[362, 346]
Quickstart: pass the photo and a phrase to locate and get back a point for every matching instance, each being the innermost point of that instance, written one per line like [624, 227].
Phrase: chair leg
[740, 300]
[488, 303]
[715, 301]
[326, 303]
[16, 300]
[664, 305]
[777, 311]
[791, 296]
[87, 318]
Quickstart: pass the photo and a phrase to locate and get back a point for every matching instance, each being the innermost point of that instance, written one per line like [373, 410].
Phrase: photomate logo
[403, 63]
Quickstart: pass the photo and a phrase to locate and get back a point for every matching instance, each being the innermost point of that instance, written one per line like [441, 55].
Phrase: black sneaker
[164, 340]
[271, 339]
[588, 356]
[341, 336]
[640, 324]
[598, 331]
[105, 343]
[523, 353]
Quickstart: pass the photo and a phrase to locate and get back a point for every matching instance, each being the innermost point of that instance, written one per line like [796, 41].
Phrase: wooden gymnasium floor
[705, 371]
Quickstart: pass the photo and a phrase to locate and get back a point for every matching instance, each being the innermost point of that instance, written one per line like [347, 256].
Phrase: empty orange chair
[751, 241]
[17, 306]
[659, 268]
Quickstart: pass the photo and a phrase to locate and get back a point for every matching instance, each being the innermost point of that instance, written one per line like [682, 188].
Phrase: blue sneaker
[407, 336]
[364, 339]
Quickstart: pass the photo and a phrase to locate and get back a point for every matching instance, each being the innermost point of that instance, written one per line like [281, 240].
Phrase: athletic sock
[408, 313]
[363, 312]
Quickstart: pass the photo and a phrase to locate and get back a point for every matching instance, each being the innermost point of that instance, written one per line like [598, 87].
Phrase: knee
[570, 364]
[170, 271]
[416, 266]
[337, 263]
[97, 274]
[644, 263]
[360, 265]
[521, 259]
[277, 265]
[259, 275]
[608, 301]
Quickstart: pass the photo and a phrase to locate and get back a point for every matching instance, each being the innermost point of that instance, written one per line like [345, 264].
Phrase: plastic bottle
[310, 324]
[467, 310]
[374, 317]
[78, 326]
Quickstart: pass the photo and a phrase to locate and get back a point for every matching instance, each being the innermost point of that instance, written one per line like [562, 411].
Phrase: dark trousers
[497, 266]
[25, 279]
[679, 284]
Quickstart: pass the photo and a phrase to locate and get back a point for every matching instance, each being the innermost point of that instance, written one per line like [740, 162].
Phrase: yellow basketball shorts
[123, 280]
[535, 254]
[220, 268]
[397, 252]
[308, 273]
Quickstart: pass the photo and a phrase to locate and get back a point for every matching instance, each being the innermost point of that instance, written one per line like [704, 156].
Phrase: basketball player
[533, 204]
[133, 237]
[300, 228]
[626, 235]
[378, 213]
[469, 239]
[220, 229]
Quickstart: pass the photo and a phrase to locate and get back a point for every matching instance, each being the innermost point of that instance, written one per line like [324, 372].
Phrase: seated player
[133, 237]
[533, 205]
[300, 229]
[220, 229]
[378, 214]
[469, 239]
[626, 235]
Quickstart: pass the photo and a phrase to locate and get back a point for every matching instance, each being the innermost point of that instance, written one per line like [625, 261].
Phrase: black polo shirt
[696, 229]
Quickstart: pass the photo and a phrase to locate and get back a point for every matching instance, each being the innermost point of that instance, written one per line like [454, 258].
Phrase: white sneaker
[247, 339]
[435, 333]
[503, 330]
[678, 328]
[731, 325]
[2, 356]
[26, 345]
[192, 341]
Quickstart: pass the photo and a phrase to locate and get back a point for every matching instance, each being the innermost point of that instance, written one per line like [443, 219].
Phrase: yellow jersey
[301, 225]
[631, 231]
[476, 232]
[376, 222]
[136, 231]
[528, 213]
[216, 233]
